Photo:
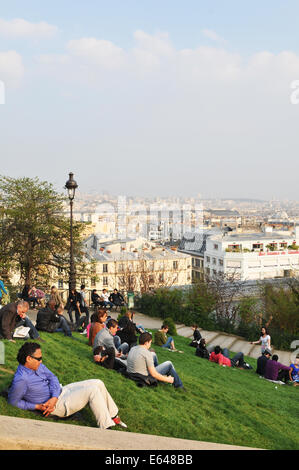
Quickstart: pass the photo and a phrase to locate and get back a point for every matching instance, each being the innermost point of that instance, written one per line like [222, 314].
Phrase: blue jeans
[33, 333]
[106, 303]
[63, 327]
[121, 347]
[167, 368]
[168, 343]
[237, 360]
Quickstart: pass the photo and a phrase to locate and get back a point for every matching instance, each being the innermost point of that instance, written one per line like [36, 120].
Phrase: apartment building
[253, 256]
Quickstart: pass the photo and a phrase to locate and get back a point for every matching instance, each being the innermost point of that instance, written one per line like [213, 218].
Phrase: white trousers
[93, 392]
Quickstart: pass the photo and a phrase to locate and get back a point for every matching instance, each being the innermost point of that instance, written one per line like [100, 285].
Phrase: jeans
[106, 303]
[63, 327]
[237, 360]
[167, 368]
[168, 343]
[33, 333]
[121, 347]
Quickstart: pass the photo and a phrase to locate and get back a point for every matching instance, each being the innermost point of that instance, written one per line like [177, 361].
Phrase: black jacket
[201, 351]
[261, 365]
[47, 320]
[8, 320]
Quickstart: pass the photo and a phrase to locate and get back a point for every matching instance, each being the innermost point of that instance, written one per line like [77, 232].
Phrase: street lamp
[71, 187]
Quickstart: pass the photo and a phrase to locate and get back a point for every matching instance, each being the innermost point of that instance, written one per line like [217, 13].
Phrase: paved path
[213, 338]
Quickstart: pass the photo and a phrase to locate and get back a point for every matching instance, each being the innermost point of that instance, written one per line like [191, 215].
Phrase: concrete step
[185, 331]
[241, 346]
[29, 434]
[284, 357]
[209, 335]
[255, 351]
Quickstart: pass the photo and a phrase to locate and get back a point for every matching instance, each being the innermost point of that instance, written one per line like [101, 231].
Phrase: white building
[253, 256]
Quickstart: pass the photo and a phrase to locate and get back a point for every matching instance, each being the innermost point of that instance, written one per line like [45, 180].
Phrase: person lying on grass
[141, 361]
[35, 387]
[222, 358]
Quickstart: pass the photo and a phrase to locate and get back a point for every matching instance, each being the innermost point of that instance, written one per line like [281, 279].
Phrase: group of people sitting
[267, 367]
[33, 296]
[120, 345]
[116, 346]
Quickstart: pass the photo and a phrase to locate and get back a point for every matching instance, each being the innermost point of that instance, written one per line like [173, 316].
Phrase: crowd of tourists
[123, 346]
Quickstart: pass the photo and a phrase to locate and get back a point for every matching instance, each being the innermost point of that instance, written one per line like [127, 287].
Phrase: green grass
[223, 405]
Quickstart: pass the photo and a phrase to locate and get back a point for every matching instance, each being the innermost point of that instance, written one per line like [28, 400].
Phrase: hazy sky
[146, 97]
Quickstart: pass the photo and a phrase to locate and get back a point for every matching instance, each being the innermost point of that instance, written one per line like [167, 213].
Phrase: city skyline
[164, 99]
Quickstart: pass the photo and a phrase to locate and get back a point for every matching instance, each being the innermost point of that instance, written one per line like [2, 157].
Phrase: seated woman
[201, 350]
[127, 319]
[97, 323]
[128, 335]
[196, 336]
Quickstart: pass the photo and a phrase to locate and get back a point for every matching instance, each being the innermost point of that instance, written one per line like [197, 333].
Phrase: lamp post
[71, 187]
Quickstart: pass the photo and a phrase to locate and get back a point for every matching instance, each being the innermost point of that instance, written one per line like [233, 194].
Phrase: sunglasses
[37, 358]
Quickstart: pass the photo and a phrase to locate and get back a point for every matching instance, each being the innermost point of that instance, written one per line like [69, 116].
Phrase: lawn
[220, 404]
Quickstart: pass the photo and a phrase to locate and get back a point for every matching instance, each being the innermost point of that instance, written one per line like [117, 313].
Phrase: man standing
[84, 303]
[13, 315]
[51, 320]
[140, 361]
[35, 387]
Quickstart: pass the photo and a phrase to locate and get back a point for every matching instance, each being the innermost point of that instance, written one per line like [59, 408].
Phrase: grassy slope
[222, 405]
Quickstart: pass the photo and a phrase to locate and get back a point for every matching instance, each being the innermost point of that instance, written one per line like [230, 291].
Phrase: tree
[34, 230]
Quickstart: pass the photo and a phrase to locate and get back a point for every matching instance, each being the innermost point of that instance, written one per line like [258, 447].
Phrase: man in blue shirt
[35, 387]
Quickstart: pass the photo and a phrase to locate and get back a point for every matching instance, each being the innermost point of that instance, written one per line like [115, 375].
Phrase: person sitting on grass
[201, 350]
[140, 363]
[13, 315]
[262, 362]
[294, 371]
[106, 357]
[35, 387]
[196, 336]
[222, 358]
[97, 324]
[276, 371]
[107, 338]
[51, 319]
[162, 340]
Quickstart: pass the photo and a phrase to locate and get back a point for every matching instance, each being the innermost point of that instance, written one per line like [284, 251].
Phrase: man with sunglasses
[35, 387]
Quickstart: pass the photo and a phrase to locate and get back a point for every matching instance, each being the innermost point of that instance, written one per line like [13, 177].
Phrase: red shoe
[118, 421]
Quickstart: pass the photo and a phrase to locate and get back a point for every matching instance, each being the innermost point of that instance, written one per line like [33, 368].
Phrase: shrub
[171, 326]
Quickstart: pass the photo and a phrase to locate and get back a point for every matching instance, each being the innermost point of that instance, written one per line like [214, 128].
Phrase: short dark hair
[26, 350]
[164, 326]
[217, 350]
[275, 357]
[145, 337]
[82, 286]
[111, 323]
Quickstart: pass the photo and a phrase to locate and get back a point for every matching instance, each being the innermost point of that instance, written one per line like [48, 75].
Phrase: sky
[152, 98]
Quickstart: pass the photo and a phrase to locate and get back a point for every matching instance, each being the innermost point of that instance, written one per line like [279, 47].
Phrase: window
[105, 268]
[83, 280]
[175, 265]
[161, 277]
[220, 261]
[93, 282]
[105, 281]
[60, 270]
[121, 267]
[60, 283]
[214, 260]
[151, 279]
[215, 246]
[208, 259]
